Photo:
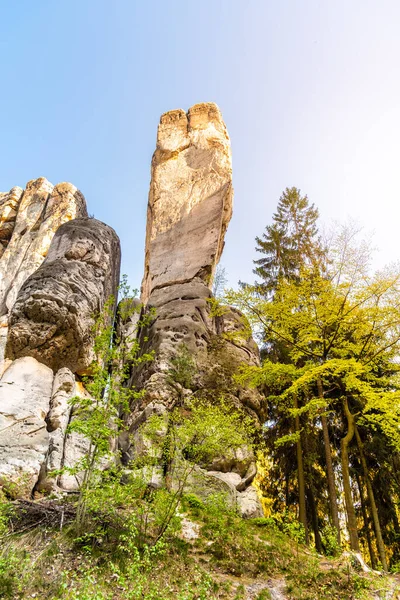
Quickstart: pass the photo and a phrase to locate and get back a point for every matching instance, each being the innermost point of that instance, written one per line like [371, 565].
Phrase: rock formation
[190, 199]
[28, 222]
[58, 268]
[190, 205]
[53, 315]
[25, 394]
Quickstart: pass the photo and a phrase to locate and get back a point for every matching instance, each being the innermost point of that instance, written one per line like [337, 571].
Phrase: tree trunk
[300, 476]
[314, 519]
[330, 473]
[366, 522]
[286, 488]
[311, 504]
[351, 515]
[372, 503]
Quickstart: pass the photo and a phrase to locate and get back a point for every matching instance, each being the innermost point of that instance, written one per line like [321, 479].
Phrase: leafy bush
[183, 368]
[12, 573]
[329, 541]
[192, 501]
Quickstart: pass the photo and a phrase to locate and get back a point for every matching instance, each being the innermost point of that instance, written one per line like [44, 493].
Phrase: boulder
[249, 504]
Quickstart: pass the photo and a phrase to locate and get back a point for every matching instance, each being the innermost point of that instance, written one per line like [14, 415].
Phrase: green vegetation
[156, 528]
[330, 339]
[98, 414]
[228, 557]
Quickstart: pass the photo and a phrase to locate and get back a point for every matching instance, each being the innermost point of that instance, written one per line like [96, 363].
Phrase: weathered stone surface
[233, 479]
[218, 344]
[28, 221]
[56, 270]
[53, 316]
[9, 203]
[57, 420]
[190, 204]
[25, 392]
[127, 321]
[203, 484]
[249, 504]
[190, 200]
[235, 461]
[40, 210]
[75, 447]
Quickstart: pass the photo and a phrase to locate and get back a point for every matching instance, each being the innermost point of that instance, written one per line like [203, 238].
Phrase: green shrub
[12, 573]
[183, 367]
[329, 541]
[193, 501]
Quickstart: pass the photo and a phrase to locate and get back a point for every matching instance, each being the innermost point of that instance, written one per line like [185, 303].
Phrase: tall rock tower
[190, 199]
[58, 268]
[189, 209]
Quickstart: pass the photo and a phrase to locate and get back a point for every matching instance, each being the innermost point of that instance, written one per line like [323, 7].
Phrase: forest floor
[216, 557]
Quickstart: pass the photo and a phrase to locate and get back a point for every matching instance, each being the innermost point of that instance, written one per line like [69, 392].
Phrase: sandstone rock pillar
[189, 208]
[190, 199]
[28, 221]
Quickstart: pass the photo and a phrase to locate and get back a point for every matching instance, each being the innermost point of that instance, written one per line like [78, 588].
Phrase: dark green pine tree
[291, 242]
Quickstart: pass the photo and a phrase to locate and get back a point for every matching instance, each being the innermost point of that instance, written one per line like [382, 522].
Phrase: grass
[229, 557]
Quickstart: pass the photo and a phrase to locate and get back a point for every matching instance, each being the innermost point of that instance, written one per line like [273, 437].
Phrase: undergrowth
[228, 554]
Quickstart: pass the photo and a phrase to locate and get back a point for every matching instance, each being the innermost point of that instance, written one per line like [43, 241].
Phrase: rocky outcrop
[25, 393]
[190, 205]
[9, 203]
[190, 199]
[53, 316]
[57, 269]
[40, 210]
[57, 419]
[28, 221]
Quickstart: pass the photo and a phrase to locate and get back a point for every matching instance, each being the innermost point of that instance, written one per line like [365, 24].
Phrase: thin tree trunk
[314, 519]
[300, 476]
[311, 503]
[351, 515]
[287, 489]
[330, 473]
[372, 503]
[366, 522]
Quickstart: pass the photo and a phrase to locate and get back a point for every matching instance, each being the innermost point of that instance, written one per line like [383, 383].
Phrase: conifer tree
[290, 243]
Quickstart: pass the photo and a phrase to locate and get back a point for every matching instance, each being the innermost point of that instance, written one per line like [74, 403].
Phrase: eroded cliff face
[54, 312]
[28, 221]
[57, 270]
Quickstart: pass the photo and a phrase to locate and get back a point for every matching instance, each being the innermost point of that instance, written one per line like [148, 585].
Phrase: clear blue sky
[310, 92]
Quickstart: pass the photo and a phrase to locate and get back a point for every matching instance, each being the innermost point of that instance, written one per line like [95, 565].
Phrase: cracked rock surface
[190, 198]
[53, 316]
